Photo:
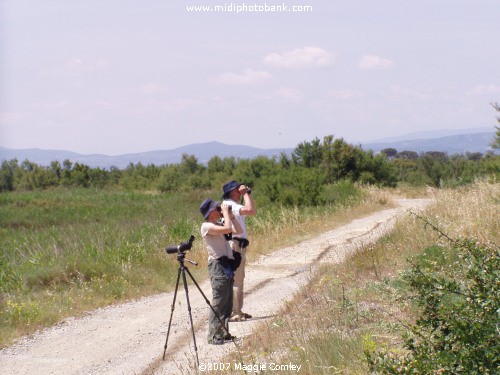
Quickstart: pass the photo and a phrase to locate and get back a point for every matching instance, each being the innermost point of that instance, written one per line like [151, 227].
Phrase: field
[67, 251]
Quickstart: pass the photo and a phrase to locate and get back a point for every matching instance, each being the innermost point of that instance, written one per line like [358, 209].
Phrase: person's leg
[239, 281]
[221, 300]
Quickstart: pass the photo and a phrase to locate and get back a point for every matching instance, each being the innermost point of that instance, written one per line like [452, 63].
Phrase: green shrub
[457, 332]
[294, 187]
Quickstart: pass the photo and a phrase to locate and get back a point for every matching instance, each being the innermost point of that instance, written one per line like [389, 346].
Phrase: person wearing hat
[233, 192]
[220, 265]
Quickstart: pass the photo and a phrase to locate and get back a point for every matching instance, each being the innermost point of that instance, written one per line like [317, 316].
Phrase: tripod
[181, 257]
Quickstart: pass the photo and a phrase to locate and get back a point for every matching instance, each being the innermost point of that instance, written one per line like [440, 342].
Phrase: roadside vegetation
[424, 299]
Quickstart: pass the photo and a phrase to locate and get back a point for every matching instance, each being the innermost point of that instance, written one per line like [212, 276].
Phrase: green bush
[457, 332]
[294, 187]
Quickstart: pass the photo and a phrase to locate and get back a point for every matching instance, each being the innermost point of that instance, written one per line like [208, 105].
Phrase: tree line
[296, 179]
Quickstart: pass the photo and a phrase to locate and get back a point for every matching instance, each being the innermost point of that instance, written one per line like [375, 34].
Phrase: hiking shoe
[229, 337]
[216, 341]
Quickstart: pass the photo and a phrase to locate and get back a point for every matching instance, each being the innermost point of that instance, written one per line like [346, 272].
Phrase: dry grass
[477, 217]
[293, 225]
[349, 308]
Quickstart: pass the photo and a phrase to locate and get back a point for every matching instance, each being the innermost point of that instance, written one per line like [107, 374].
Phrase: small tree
[308, 154]
[389, 152]
[7, 176]
[408, 155]
[496, 142]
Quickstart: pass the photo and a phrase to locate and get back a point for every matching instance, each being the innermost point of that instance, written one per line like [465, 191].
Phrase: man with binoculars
[233, 192]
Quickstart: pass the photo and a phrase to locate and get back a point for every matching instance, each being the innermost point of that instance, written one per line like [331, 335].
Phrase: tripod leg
[208, 303]
[213, 310]
[172, 310]
[189, 311]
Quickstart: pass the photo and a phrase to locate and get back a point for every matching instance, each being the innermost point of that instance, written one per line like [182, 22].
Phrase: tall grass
[275, 226]
[357, 306]
[66, 251]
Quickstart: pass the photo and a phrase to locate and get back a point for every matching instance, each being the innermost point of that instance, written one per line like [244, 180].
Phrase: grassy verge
[357, 306]
[66, 251]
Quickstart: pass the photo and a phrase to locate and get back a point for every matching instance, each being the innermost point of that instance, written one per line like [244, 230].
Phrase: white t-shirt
[236, 207]
[217, 246]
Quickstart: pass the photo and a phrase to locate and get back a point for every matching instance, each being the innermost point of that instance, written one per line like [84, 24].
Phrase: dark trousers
[222, 300]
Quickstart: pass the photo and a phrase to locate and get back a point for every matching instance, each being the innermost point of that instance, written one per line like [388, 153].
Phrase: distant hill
[451, 144]
[203, 152]
[429, 134]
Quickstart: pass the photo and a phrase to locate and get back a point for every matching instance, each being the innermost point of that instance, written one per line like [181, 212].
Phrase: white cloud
[174, 105]
[346, 94]
[182, 104]
[372, 62]
[81, 66]
[8, 118]
[409, 92]
[152, 88]
[484, 89]
[249, 76]
[300, 58]
[73, 67]
[288, 94]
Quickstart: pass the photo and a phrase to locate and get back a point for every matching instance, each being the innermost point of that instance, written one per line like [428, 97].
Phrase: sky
[125, 76]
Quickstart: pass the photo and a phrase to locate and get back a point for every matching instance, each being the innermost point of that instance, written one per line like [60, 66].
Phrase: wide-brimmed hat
[229, 187]
[208, 206]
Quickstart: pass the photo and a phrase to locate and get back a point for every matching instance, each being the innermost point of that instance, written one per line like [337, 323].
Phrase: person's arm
[248, 208]
[237, 229]
[229, 222]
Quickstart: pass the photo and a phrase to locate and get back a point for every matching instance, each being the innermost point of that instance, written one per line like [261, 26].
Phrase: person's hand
[242, 189]
[225, 208]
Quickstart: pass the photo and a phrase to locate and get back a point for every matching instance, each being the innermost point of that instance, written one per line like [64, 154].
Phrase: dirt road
[129, 338]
